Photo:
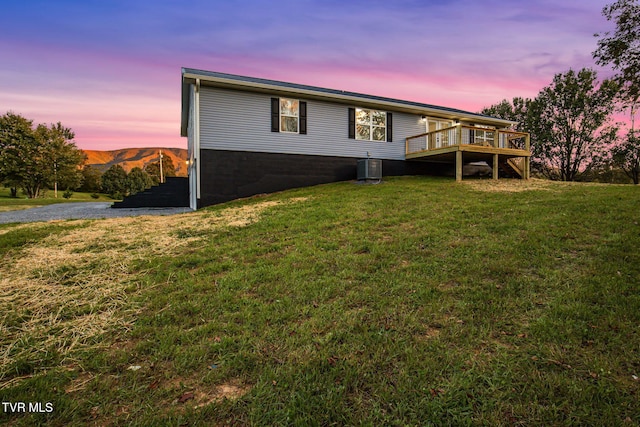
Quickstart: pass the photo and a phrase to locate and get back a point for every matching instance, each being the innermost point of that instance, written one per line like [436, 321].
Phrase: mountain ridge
[130, 158]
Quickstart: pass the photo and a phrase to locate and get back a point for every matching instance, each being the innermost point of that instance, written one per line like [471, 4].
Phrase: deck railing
[467, 135]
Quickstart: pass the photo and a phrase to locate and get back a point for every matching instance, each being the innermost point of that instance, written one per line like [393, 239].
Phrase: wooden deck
[504, 150]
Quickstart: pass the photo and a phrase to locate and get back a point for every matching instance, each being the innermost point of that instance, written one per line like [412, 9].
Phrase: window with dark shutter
[303, 117]
[275, 114]
[370, 125]
[352, 123]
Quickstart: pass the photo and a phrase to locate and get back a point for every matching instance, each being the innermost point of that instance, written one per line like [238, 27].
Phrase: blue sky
[110, 70]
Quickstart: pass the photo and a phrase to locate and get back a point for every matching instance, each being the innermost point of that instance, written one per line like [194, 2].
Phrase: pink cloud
[113, 74]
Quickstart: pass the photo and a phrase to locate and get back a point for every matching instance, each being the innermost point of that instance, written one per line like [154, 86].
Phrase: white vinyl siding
[241, 121]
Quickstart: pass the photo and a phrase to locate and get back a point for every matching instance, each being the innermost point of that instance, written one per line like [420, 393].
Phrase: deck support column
[458, 166]
[495, 166]
[527, 167]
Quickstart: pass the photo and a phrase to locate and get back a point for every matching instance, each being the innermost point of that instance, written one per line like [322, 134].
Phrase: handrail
[434, 131]
[429, 141]
[453, 135]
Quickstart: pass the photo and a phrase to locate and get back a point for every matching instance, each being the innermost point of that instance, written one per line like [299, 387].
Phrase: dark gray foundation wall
[229, 175]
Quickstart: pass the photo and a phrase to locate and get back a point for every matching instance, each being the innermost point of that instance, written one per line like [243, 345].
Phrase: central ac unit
[369, 169]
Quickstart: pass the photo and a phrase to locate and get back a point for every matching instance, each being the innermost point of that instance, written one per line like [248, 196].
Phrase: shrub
[138, 180]
[67, 194]
[95, 196]
[114, 181]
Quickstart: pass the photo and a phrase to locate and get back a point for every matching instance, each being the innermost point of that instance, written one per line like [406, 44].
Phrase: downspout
[196, 137]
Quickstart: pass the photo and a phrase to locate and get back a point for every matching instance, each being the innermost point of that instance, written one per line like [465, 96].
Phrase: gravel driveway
[86, 210]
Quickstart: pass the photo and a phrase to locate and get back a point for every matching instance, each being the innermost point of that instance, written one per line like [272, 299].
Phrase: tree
[33, 159]
[168, 169]
[515, 111]
[16, 138]
[91, 179]
[114, 182]
[627, 157]
[571, 121]
[63, 157]
[138, 180]
[621, 50]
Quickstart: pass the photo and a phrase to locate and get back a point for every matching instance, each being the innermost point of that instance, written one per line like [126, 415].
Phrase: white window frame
[441, 139]
[371, 125]
[296, 116]
[480, 136]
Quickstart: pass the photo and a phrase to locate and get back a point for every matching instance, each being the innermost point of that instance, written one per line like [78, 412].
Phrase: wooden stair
[510, 168]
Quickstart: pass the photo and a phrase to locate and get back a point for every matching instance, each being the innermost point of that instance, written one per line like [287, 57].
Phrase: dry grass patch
[510, 185]
[62, 293]
[519, 185]
[197, 395]
[429, 333]
[191, 391]
[35, 226]
[79, 383]
[231, 390]
[9, 208]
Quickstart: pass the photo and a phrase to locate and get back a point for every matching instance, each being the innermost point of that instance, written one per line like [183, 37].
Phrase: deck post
[527, 159]
[458, 165]
[495, 166]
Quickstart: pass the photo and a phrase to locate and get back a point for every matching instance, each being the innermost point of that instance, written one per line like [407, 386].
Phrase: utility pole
[55, 179]
[161, 177]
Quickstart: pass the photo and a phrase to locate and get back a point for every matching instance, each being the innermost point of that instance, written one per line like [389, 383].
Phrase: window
[371, 125]
[483, 137]
[288, 115]
[435, 124]
[439, 139]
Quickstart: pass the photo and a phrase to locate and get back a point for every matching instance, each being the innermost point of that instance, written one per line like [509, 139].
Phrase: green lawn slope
[418, 301]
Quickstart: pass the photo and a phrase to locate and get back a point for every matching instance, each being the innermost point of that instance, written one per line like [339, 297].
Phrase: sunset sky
[110, 69]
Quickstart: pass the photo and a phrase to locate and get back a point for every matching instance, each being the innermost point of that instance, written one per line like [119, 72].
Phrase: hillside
[129, 158]
[418, 301]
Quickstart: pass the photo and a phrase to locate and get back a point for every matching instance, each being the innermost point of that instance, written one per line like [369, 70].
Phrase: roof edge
[254, 83]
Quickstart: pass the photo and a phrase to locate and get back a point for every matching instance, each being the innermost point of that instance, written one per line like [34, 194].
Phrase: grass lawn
[419, 301]
[8, 203]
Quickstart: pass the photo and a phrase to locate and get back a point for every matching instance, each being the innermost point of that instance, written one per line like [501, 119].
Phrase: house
[248, 136]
